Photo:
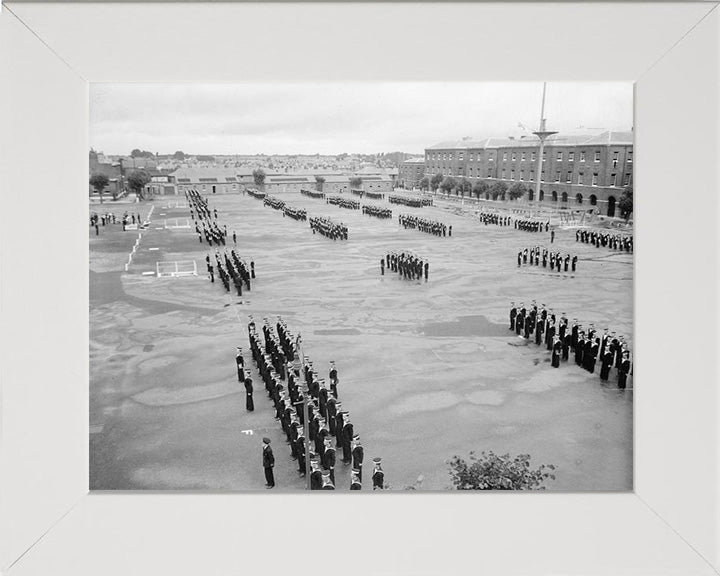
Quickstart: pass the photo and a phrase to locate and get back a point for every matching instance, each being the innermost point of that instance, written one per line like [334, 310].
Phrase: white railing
[175, 269]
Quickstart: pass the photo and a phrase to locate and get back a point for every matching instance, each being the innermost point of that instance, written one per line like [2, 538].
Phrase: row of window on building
[532, 156]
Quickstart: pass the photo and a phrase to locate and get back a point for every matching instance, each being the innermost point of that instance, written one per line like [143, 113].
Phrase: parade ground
[427, 369]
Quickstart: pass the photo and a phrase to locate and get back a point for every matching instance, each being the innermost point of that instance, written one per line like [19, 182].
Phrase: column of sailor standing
[273, 349]
[561, 338]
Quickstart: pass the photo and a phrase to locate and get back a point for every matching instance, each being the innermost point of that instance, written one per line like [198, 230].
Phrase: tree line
[499, 190]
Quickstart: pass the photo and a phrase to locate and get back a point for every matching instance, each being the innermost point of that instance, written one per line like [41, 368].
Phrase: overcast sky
[336, 118]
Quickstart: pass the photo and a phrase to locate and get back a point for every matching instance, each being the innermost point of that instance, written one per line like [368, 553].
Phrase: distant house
[411, 172]
[160, 185]
[390, 173]
[113, 171]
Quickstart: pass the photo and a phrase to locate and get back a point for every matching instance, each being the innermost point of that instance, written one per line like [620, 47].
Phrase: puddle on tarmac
[465, 326]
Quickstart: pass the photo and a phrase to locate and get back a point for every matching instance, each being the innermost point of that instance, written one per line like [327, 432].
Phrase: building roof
[289, 178]
[613, 138]
[369, 170]
[414, 161]
[588, 137]
[197, 174]
[336, 178]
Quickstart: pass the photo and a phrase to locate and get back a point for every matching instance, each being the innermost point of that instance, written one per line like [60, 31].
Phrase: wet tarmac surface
[427, 369]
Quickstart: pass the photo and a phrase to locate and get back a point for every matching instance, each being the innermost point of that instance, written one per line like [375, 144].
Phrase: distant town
[587, 169]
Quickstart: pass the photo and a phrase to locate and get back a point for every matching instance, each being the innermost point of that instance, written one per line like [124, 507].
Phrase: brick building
[578, 170]
[113, 171]
[411, 171]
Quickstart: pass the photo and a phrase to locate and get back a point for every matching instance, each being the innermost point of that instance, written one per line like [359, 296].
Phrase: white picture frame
[49, 524]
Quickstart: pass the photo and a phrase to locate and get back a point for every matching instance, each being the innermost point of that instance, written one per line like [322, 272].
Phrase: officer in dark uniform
[240, 363]
[268, 464]
[513, 315]
[249, 404]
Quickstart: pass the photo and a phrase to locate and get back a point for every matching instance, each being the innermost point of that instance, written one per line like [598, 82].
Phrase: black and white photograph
[361, 286]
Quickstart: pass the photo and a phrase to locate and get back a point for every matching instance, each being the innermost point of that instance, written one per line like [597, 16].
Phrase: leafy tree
[498, 189]
[463, 186]
[626, 203]
[205, 158]
[424, 183]
[516, 191]
[448, 184]
[179, 155]
[355, 182]
[480, 188]
[137, 180]
[259, 176]
[99, 182]
[435, 181]
[319, 181]
[137, 153]
[492, 472]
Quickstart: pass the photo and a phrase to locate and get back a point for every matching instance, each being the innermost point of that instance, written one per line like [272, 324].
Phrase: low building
[279, 183]
[211, 180]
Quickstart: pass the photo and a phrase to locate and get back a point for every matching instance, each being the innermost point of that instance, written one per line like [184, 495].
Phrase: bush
[492, 472]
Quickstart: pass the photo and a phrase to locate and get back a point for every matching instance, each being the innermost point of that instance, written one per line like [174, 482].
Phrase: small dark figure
[268, 464]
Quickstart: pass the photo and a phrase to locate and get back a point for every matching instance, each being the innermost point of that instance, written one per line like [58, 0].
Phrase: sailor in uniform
[355, 482]
[556, 351]
[346, 438]
[328, 459]
[300, 448]
[378, 476]
[624, 370]
[607, 358]
[316, 480]
[358, 453]
[327, 483]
